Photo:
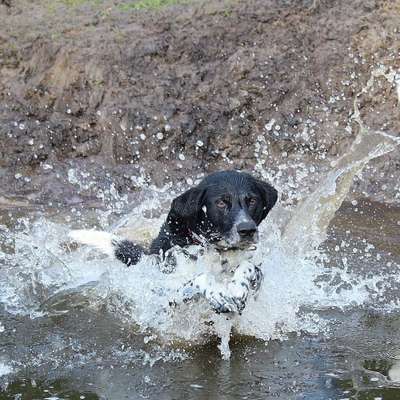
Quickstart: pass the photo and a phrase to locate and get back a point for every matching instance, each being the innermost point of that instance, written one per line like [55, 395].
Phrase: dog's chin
[227, 245]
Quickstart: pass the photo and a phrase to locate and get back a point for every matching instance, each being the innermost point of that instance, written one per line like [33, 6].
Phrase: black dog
[224, 210]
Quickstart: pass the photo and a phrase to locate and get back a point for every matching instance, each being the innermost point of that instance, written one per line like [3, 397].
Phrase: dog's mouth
[232, 240]
[242, 244]
[238, 247]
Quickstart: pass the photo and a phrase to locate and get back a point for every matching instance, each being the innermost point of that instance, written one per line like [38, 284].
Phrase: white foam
[5, 369]
[99, 239]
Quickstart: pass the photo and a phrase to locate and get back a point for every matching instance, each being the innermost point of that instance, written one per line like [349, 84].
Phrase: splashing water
[43, 277]
[308, 226]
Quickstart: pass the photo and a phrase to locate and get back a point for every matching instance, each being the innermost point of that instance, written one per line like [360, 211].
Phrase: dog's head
[225, 208]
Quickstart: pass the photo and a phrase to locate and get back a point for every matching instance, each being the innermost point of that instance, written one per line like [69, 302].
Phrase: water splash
[48, 279]
[42, 275]
[5, 369]
[308, 225]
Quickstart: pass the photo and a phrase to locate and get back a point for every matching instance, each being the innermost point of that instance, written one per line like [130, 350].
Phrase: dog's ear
[269, 196]
[188, 204]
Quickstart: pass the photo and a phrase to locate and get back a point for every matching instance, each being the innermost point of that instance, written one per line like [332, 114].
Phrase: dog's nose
[246, 229]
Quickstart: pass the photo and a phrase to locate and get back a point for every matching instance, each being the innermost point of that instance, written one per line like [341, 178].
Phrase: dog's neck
[225, 261]
[231, 259]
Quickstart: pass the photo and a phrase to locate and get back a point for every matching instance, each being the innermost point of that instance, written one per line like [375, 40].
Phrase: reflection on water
[27, 389]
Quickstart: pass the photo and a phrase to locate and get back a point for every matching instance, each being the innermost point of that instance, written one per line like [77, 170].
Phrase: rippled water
[324, 326]
[341, 351]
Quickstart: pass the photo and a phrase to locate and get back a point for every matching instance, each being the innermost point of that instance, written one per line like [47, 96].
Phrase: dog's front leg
[206, 286]
[225, 298]
[246, 277]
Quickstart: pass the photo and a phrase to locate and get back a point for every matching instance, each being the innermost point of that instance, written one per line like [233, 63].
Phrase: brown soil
[94, 93]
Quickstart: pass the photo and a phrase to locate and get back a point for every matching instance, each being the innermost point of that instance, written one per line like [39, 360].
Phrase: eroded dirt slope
[97, 92]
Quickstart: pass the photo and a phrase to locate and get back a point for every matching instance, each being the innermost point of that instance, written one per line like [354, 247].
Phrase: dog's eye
[220, 204]
[252, 202]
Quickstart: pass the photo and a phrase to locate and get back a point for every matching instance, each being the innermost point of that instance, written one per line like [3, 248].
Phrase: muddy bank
[99, 95]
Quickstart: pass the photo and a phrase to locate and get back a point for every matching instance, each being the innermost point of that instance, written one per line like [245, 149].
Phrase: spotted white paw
[231, 298]
[256, 279]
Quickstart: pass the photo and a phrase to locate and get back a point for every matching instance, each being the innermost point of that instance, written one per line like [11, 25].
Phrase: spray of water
[43, 276]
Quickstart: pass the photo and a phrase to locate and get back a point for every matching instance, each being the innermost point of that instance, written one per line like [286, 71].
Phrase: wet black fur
[187, 217]
[128, 252]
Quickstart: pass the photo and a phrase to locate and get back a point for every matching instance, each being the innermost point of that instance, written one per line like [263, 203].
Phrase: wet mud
[121, 93]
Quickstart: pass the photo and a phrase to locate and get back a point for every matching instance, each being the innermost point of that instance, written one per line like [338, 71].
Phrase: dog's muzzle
[246, 230]
[244, 233]
[242, 236]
